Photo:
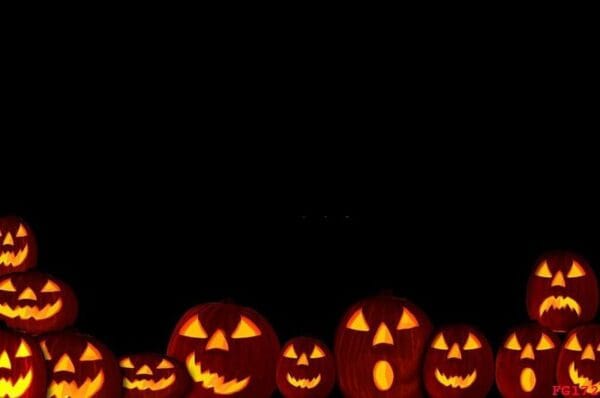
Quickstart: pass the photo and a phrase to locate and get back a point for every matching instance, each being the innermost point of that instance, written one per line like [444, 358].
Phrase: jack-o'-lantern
[579, 360]
[153, 376]
[79, 366]
[379, 347]
[18, 247]
[562, 292]
[227, 350]
[36, 303]
[459, 363]
[526, 362]
[22, 367]
[306, 369]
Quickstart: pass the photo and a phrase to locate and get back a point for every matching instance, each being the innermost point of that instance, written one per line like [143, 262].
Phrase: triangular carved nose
[383, 336]
[218, 341]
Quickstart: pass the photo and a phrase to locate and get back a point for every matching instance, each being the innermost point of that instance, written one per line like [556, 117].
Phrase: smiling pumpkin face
[36, 303]
[153, 376]
[459, 364]
[579, 360]
[526, 362]
[18, 247]
[305, 369]
[227, 350]
[562, 292]
[22, 367]
[379, 347]
[80, 367]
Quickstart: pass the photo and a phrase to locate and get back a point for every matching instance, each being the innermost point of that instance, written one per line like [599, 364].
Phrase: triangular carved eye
[164, 364]
[576, 270]
[126, 363]
[358, 322]
[317, 353]
[290, 352]
[573, 343]
[439, 343]
[7, 286]
[545, 343]
[513, 343]
[91, 353]
[245, 329]
[472, 343]
[543, 270]
[407, 320]
[21, 232]
[23, 351]
[193, 328]
[50, 287]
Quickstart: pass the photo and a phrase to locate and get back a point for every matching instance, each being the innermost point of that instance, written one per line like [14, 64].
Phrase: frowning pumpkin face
[305, 369]
[227, 350]
[22, 367]
[579, 360]
[562, 292]
[80, 367]
[18, 247]
[526, 362]
[379, 347]
[459, 364]
[36, 302]
[153, 376]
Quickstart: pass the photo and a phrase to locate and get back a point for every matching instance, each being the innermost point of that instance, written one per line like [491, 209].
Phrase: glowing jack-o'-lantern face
[562, 292]
[36, 303]
[459, 364]
[18, 247]
[579, 360]
[379, 347]
[153, 376]
[22, 367]
[305, 369]
[227, 350]
[526, 362]
[80, 367]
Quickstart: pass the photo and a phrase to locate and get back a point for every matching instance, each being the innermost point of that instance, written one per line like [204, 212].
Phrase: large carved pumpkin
[562, 292]
[227, 350]
[22, 367]
[306, 369]
[579, 361]
[80, 367]
[526, 362]
[151, 375]
[459, 364]
[379, 348]
[36, 303]
[18, 247]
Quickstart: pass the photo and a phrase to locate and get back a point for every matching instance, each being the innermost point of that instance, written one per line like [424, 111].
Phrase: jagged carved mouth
[147, 384]
[583, 382]
[213, 380]
[9, 258]
[17, 389]
[31, 311]
[304, 383]
[455, 381]
[73, 390]
[558, 303]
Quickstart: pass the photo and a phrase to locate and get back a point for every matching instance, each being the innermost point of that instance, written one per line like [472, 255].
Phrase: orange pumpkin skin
[21, 359]
[562, 291]
[459, 363]
[150, 375]
[579, 360]
[227, 350]
[305, 369]
[18, 246]
[383, 335]
[79, 366]
[526, 362]
[35, 302]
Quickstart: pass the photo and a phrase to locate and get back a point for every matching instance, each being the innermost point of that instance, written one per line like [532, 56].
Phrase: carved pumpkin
[18, 247]
[379, 348]
[306, 369]
[579, 360]
[36, 302]
[227, 350]
[459, 364]
[562, 292]
[80, 367]
[526, 362]
[22, 367]
[153, 376]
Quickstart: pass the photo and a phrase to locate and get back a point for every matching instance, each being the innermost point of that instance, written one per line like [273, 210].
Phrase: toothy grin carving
[213, 380]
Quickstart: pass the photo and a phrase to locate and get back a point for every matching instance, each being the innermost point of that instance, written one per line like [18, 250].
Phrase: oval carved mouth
[212, 380]
[304, 383]
[528, 380]
[383, 375]
[456, 381]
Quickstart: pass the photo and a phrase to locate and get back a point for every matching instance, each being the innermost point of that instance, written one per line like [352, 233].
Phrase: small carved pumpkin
[18, 247]
[153, 376]
[22, 367]
[579, 360]
[306, 369]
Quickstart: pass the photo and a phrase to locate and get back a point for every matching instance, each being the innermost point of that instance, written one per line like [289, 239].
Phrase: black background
[139, 256]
